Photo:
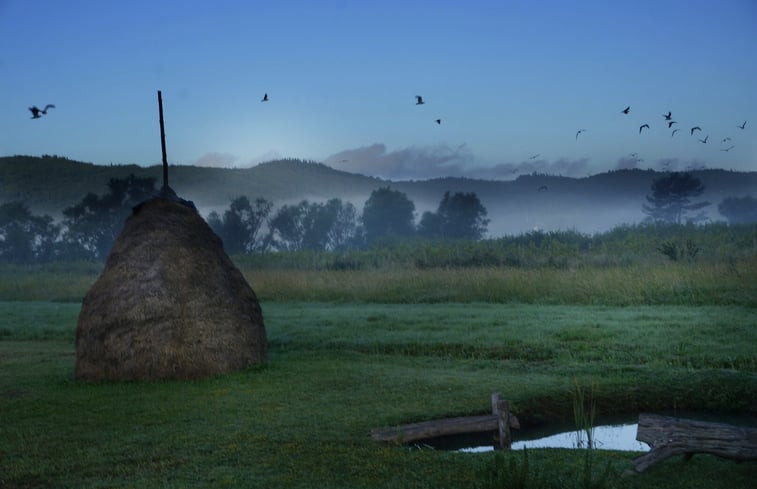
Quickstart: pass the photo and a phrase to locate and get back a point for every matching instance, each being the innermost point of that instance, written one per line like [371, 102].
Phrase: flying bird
[668, 116]
[729, 148]
[695, 128]
[419, 100]
[626, 110]
[642, 127]
[670, 124]
[704, 141]
[533, 157]
[725, 140]
[742, 125]
[265, 98]
[543, 188]
[438, 121]
[673, 133]
[36, 111]
[579, 132]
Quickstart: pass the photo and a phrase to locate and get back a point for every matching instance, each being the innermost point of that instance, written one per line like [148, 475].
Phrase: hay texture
[169, 304]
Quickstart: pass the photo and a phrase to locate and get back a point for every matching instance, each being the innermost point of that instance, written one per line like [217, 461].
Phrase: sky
[511, 81]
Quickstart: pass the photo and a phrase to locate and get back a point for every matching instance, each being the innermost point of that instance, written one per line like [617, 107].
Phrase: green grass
[336, 370]
[700, 283]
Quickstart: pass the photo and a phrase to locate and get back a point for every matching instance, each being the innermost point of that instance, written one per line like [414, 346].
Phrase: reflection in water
[608, 437]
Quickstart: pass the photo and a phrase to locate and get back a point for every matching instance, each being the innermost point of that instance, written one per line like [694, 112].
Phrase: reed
[584, 413]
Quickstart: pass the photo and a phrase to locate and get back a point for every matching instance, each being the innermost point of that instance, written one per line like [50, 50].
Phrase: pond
[610, 433]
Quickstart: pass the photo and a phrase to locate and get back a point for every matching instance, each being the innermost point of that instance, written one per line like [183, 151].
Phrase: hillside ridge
[598, 202]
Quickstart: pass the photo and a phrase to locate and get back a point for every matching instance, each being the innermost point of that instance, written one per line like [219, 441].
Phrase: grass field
[337, 369]
[724, 282]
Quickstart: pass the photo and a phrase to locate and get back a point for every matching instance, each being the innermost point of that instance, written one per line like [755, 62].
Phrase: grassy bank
[336, 370]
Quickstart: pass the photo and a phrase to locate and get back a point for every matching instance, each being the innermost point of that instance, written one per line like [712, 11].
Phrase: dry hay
[169, 304]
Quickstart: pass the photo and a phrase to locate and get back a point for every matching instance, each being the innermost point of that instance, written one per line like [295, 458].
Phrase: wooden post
[501, 409]
[163, 141]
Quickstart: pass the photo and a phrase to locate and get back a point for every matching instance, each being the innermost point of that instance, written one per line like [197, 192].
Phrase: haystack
[169, 304]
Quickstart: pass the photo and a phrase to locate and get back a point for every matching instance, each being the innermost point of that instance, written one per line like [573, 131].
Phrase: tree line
[388, 215]
[88, 229]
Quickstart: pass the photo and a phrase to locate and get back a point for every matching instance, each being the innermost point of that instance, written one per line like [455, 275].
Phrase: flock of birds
[38, 113]
[670, 122]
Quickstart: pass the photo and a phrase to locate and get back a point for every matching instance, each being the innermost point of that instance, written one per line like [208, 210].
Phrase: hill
[49, 184]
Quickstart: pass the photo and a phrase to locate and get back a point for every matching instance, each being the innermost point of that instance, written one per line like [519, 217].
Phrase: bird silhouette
[626, 110]
[419, 100]
[729, 148]
[704, 141]
[742, 125]
[673, 133]
[36, 111]
[579, 132]
[533, 157]
[543, 188]
[695, 128]
[265, 98]
[724, 140]
[642, 127]
[438, 121]
[668, 116]
[670, 124]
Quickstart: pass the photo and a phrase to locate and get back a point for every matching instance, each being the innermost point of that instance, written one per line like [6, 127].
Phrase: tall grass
[584, 413]
[621, 267]
[724, 283]
[668, 283]
[622, 246]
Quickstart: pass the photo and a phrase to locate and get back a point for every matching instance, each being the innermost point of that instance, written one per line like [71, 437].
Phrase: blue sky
[509, 80]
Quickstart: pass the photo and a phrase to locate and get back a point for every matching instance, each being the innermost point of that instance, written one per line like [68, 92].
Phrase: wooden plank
[500, 419]
[439, 427]
[668, 436]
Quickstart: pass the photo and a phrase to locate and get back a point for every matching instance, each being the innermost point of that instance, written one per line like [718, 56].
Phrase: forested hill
[50, 184]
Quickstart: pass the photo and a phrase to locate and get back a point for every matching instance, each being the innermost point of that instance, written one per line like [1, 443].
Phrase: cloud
[442, 161]
[674, 164]
[404, 164]
[228, 160]
[508, 171]
[262, 158]
[216, 160]
[628, 163]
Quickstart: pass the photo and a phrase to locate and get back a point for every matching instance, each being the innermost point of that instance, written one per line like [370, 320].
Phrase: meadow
[355, 348]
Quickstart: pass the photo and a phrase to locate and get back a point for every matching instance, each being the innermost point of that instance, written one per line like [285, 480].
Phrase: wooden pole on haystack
[163, 141]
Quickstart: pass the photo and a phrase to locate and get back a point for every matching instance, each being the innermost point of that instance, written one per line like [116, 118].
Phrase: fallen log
[501, 420]
[668, 436]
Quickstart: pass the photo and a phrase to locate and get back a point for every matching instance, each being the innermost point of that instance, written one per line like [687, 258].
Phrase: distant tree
[671, 198]
[242, 223]
[24, 237]
[313, 226]
[431, 225]
[329, 226]
[741, 210]
[344, 229]
[286, 231]
[92, 225]
[459, 216]
[388, 214]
